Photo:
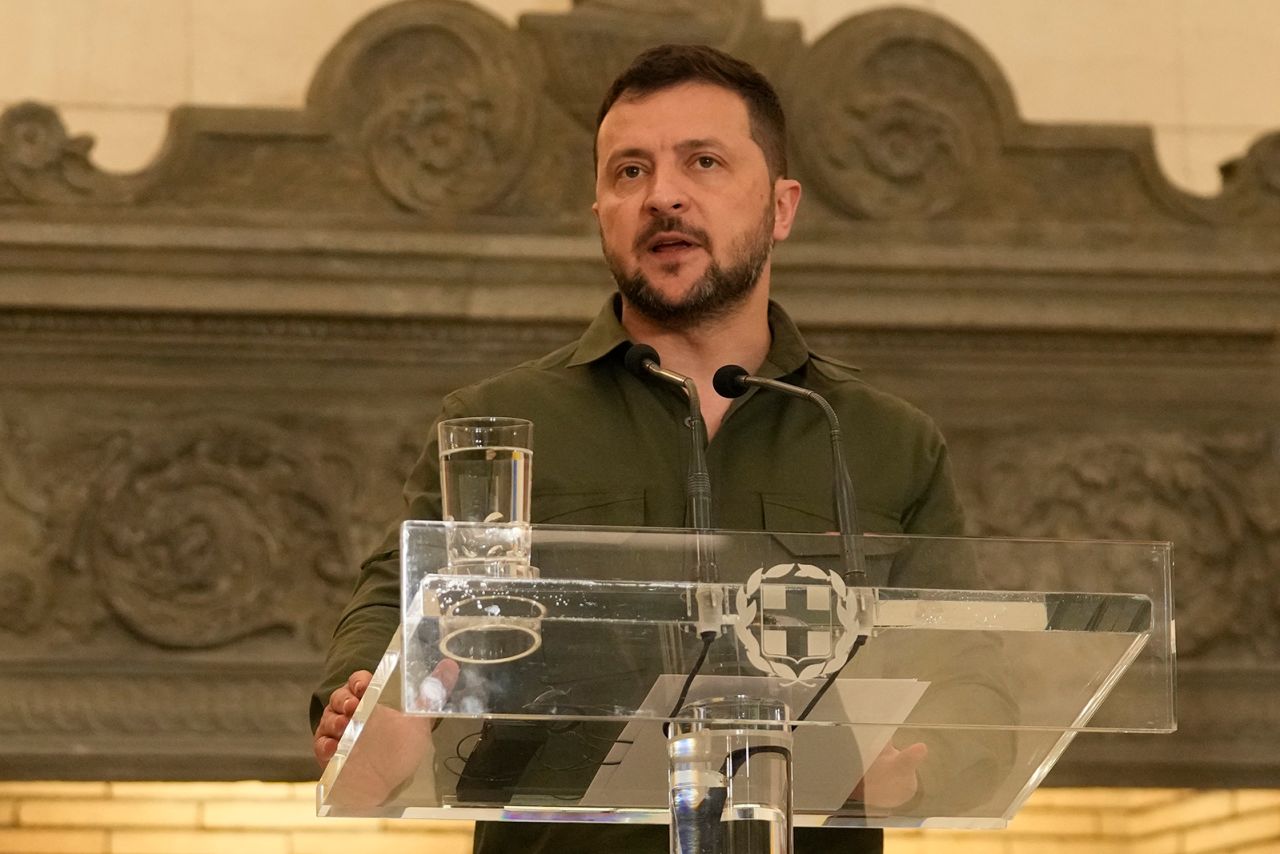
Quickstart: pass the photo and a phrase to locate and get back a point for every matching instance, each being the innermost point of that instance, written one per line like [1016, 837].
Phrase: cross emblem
[797, 621]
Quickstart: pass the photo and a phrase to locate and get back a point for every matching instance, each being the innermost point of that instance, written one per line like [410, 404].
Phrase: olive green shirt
[611, 448]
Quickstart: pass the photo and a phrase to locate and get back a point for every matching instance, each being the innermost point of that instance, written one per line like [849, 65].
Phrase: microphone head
[637, 355]
[730, 381]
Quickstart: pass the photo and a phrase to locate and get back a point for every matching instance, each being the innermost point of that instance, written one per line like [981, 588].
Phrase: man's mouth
[670, 243]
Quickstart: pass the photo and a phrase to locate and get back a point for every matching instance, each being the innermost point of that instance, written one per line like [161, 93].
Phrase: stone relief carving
[892, 156]
[442, 99]
[893, 118]
[24, 543]
[189, 536]
[1217, 497]
[436, 146]
[44, 164]
[190, 531]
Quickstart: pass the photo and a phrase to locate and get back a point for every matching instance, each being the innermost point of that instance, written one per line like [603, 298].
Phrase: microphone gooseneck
[734, 381]
[642, 360]
[708, 597]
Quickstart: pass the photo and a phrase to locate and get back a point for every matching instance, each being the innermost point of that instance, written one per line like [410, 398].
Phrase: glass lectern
[624, 675]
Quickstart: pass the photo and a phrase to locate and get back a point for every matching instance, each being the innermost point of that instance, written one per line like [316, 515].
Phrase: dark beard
[715, 295]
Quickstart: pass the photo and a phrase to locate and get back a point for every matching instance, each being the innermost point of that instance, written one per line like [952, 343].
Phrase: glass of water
[731, 777]
[486, 470]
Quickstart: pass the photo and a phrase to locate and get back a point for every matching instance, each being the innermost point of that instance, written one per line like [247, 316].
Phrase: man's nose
[666, 194]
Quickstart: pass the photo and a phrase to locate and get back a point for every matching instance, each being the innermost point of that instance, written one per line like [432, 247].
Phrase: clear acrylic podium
[547, 696]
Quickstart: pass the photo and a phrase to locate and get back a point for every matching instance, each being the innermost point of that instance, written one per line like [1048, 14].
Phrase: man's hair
[672, 64]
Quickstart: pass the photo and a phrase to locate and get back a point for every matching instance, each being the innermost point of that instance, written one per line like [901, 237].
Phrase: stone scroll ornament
[1217, 498]
[214, 530]
[895, 116]
[1251, 184]
[441, 99]
[45, 164]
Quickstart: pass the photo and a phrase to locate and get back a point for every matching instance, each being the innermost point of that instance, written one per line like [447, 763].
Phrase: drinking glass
[730, 776]
[486, 469]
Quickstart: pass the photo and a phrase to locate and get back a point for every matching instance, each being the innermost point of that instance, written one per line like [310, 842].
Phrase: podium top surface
[608, 610]
[535, 675]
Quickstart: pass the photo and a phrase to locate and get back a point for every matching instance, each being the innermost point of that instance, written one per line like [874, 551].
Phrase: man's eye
[629, 171]
[706, 162]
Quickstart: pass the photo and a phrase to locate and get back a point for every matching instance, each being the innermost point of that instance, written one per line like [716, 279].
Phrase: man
[692, 194]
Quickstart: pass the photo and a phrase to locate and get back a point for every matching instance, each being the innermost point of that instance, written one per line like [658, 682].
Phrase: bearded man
[692, 194]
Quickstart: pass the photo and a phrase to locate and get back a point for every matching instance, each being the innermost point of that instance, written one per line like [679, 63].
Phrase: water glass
[486, 470]
[730, 775]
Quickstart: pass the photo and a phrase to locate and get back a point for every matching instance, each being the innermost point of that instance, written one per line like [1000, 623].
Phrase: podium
[555, 690]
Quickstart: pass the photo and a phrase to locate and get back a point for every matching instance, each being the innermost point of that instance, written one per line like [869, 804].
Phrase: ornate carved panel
[214, 373]
[1214, 495]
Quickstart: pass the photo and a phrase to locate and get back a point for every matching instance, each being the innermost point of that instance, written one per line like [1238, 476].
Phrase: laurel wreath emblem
[748, 607]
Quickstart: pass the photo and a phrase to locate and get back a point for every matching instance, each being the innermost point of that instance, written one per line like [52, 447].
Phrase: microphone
[643, 360]
[734, 381]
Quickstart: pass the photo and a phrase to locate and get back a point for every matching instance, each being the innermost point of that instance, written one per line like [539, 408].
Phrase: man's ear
[595, 210]
[786, 199]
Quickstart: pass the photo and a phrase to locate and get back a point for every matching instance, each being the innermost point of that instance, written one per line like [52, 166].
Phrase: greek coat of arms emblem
[796, 621]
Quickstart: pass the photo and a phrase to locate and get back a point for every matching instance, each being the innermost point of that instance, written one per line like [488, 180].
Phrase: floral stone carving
[208, 533]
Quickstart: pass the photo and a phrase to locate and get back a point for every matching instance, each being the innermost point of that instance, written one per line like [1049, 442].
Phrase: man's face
[687, 212]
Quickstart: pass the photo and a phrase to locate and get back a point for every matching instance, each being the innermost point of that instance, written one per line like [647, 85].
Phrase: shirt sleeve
[369, 620]
[936, 511]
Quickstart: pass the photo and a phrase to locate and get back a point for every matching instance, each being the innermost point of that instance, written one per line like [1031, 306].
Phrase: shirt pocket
[790, 513]
[601, 508]
[786, 514]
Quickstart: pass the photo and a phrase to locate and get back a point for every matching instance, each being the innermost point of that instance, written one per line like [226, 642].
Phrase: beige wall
[1203, 73]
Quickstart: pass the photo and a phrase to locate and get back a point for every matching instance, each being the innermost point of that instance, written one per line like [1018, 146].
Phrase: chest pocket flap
[786, 514]
[622, 509]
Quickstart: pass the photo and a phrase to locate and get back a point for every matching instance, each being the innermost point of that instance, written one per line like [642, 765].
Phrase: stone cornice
[868, 282]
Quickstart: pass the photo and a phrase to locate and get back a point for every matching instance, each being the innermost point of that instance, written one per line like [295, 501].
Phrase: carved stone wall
[214, 373]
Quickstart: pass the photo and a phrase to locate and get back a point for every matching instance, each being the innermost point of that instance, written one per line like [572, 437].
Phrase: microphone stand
[733, 381]
[642, 359]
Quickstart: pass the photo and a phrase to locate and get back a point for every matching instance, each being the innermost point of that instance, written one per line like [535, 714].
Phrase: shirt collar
[788, 352]
[603, 336]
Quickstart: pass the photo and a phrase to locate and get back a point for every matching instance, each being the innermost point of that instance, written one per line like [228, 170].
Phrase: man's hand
[393, 744]
[891, 780]
[333, 723]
